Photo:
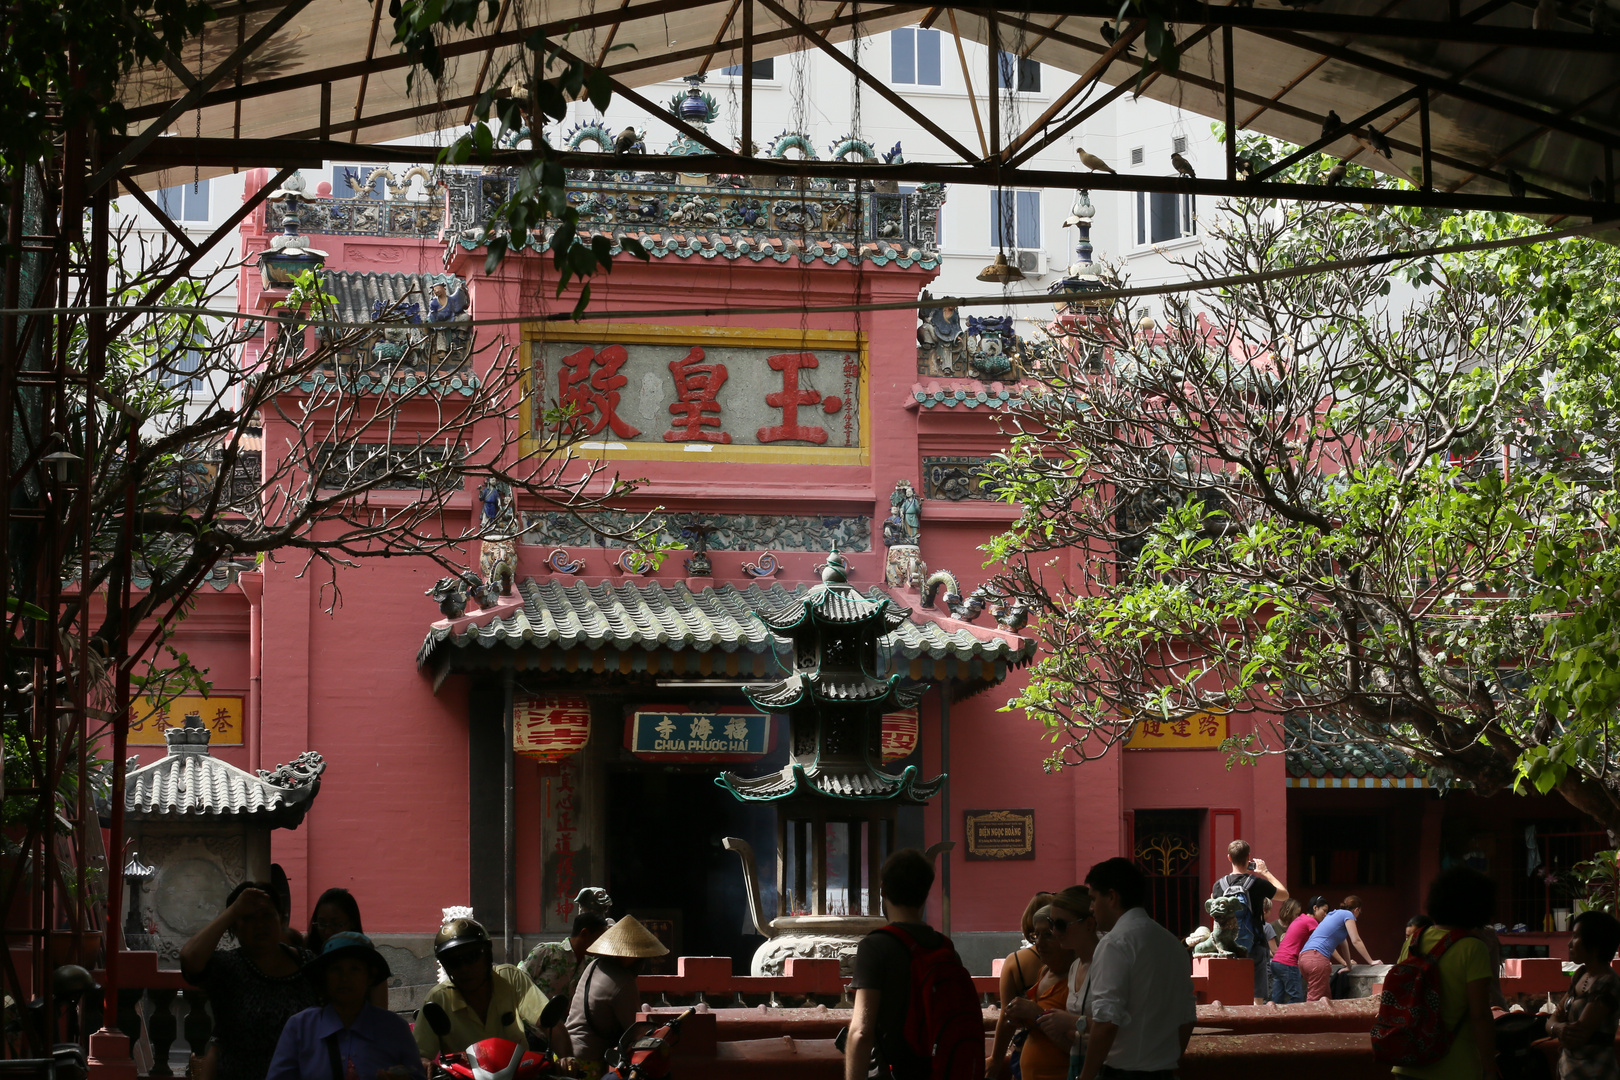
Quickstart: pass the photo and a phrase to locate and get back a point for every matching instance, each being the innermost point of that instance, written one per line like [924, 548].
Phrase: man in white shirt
[1139, 992]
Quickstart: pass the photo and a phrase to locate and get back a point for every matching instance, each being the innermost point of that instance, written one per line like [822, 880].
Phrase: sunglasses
[462, 958]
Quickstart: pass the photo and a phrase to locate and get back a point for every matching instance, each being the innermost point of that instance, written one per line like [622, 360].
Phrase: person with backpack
[1584, 1022]
[1449, 965]
[1139, 991]
[1316, 958]
[917, 1015]
[1253, 884]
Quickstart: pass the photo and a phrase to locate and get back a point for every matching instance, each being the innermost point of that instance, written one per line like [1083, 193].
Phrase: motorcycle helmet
[458, 938]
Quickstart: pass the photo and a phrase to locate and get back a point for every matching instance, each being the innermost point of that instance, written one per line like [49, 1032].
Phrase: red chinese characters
[789, 399]
[550, 728]
[563, 847]
[589, 382]
[697, 406]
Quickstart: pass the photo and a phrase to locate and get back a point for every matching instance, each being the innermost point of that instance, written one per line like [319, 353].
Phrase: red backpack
[944, 1023]
[1410, 1030]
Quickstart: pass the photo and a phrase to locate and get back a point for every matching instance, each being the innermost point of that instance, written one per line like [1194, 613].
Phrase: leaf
[599, 89]
[25, 609]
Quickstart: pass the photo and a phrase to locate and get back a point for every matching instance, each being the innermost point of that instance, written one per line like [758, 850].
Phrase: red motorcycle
[497, 1059]
[646, 1056]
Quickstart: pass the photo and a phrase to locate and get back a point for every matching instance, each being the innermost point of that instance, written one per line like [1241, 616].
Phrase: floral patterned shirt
[554, 968]
[1595, 1060]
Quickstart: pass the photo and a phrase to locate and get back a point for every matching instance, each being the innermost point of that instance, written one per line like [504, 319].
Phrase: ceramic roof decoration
[659, 628]
[189, 782]
[1320, 753]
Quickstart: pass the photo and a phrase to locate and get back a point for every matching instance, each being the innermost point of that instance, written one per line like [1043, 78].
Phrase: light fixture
[61, 459]
[1001, 271]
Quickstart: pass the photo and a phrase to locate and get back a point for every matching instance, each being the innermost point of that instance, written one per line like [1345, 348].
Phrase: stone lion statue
[1222, 938]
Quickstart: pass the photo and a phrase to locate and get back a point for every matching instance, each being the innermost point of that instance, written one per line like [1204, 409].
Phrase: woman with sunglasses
[1044, 1058]
[1021, 970]
[337, 912]
[1076, 930]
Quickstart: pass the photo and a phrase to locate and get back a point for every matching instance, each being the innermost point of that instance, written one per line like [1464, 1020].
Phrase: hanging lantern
[550, 727]
[898, 735]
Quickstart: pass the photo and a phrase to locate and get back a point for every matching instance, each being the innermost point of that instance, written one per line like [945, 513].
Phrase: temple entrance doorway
[666, 864]
[1168, 852]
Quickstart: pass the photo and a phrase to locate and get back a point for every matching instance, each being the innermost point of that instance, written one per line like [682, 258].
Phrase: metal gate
[1167, 852]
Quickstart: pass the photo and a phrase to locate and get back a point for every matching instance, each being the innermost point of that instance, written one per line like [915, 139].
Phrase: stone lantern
[203, 826]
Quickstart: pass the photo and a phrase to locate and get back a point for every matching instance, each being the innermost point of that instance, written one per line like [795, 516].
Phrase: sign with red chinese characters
[550, 727]
[898, 736]
[1200, 731]
[149, 718]
[660, 392]
[565, 859]
[682, 733]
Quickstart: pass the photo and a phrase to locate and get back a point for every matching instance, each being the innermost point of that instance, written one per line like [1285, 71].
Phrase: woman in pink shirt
[1287, 987]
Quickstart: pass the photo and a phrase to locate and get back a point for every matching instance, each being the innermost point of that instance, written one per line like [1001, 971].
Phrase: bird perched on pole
[1515, 184]
[627, 140]
[1376, 140]
[1245, 168]
[1183, 166]
[1335, 176]
[1331, 124]
[1092, 161]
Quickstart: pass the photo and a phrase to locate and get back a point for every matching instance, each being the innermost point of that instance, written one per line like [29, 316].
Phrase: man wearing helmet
[482, 1000]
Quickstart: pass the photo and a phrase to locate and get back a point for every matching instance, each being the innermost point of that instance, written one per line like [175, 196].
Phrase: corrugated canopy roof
[1502, 95]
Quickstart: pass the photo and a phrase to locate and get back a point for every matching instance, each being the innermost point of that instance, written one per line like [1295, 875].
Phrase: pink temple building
[766, 441]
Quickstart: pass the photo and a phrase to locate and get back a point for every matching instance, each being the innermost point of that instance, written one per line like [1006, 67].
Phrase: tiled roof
[357, 291]
[965, 393]
[838, 604]
[189, 782]
[1321, 749]
[825, 687]
[712, 245]
[665, 627]
[868, 785]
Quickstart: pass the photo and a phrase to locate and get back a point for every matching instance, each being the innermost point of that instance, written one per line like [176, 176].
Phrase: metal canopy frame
[1470, 99]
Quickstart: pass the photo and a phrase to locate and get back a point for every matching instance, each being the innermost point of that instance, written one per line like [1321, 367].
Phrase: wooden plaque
[1000, 834]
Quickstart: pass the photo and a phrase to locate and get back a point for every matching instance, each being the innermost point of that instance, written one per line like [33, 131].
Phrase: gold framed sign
[1000, 835]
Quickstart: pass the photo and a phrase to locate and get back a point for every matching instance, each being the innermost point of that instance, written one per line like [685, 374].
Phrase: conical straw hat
[629, 939]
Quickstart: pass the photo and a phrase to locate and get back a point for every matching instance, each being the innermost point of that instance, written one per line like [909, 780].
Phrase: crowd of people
[290, 1006]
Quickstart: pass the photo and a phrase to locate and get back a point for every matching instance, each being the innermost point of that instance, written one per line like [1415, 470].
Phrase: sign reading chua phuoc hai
[682, 733]
[1000, 834]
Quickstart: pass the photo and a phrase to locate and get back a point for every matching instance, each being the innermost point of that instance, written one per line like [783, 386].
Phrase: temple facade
[610, 688]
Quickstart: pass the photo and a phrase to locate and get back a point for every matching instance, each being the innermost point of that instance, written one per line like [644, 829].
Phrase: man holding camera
[1256, 884]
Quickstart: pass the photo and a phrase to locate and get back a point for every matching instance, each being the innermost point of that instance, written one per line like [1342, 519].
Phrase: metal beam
[877, 85]
[1192, 13]
[194, 96]
[1090, 76]
[967, 81]
[225, 151]
[1350, 128]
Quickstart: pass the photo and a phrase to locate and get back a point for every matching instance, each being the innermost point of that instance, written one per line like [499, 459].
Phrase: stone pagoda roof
[189, 782]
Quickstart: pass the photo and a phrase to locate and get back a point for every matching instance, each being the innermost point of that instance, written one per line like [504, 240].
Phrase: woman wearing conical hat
[606, 999]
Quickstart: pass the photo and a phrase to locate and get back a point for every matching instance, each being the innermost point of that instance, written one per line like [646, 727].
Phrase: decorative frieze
[728, 532]
[956, 479]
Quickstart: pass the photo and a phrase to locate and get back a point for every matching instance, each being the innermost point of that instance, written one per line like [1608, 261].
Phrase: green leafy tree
[1372, 502]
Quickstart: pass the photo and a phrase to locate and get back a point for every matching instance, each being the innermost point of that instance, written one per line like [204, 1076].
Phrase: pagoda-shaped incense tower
[835, 807]
[834, 701]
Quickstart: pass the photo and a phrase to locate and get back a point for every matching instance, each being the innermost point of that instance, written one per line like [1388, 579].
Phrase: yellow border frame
[736, 336]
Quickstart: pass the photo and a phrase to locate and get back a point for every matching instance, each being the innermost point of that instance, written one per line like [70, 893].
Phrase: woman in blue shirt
[1315, 959]
[348, 1038]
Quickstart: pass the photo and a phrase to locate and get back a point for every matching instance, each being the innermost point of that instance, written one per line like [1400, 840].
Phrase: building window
[180, 373]
[1020, 73]
[1015, 220]
[1345, 849]
[763, 69]
[914, 56]
[185, 202]
[348, 179]
[1162, 216]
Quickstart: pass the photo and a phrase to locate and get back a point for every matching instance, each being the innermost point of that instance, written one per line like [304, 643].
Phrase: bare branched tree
[1312, 505]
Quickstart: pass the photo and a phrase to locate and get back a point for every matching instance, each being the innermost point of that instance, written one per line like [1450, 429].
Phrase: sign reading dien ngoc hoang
[1000, 834]
[668, 392]
[678, 733]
